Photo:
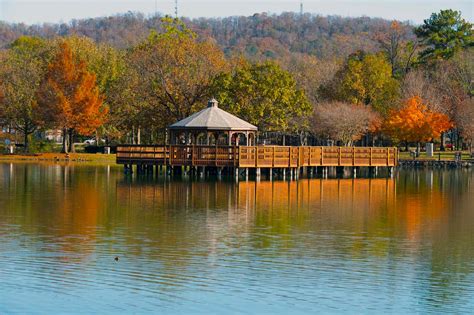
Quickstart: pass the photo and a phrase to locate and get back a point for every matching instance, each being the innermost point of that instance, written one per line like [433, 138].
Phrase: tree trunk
[406, 146]
[72, 149]
[65, 148]
[441, 147]
[139, 135]
[26, 146]
[418, 148]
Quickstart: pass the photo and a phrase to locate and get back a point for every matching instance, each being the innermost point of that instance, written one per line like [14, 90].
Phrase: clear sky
[39, 11]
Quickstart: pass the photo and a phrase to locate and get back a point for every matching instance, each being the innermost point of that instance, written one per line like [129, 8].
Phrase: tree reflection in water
[408, 236]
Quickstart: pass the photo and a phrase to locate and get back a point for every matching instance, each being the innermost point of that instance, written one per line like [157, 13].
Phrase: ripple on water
[328, 254]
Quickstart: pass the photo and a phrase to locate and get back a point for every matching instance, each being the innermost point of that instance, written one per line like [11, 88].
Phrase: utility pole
[176, 8]
[301, 8]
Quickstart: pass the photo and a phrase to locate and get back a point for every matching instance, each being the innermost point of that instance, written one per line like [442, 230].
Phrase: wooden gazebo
[212, 126]
[215, 140]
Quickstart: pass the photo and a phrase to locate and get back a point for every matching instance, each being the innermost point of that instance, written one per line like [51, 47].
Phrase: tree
[343, 122]
[176, 71]
[419, 82]
[69, 98]
[443, 34]
[310, 73]
[265, 95]
[131, 109]
[21, 72]
[465, 121]
[398, 45]
[365, 79]
[106, 63]
[414, 122]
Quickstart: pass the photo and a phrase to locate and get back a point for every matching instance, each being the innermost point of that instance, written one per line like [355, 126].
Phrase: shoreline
[110, 159]
[74, 158]
[430, 164]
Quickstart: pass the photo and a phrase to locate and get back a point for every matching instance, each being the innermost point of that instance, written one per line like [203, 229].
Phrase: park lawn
[61, 157]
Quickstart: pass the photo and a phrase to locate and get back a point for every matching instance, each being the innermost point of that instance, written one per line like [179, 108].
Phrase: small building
[212, 126]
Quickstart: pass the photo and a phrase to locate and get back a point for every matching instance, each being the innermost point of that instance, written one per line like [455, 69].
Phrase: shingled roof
[213, 118]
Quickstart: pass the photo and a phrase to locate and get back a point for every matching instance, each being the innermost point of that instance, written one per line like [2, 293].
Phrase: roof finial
[212, 103]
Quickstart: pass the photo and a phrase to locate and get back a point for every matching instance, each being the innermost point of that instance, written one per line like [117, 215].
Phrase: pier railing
[256, 156]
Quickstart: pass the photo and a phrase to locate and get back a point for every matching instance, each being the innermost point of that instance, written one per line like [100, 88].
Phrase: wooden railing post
[322, 156]
[370, 157]
[353, 156]
[339, 154]
[299, 156]
[171, 154]
[395, 158]
[256, 155]
[273, 157]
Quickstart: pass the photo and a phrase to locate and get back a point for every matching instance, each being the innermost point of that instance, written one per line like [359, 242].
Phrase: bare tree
[419, 83]
[465, 121]
[343, 122]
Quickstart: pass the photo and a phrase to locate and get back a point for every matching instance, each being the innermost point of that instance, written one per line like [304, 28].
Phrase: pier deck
[256, 156]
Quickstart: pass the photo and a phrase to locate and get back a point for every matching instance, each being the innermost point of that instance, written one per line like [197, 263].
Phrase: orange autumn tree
[415, 122]
[69, 98]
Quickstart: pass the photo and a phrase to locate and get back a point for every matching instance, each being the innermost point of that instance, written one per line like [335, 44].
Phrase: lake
[381, 245]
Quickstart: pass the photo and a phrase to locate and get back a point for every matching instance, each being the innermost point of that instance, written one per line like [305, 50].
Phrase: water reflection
[402, 244]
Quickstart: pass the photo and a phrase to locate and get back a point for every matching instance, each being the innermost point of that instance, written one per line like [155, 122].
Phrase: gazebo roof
[213, 118]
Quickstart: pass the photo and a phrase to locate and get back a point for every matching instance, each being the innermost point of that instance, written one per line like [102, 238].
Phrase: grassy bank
[442, 156]
[60, 157]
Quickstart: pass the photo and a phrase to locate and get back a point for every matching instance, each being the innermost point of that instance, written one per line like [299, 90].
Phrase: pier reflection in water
[399, 245]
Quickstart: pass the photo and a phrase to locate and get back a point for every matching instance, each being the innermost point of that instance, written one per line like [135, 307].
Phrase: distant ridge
[259, 36]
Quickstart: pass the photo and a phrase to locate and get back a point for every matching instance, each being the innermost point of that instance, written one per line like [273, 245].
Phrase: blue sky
[39, 11]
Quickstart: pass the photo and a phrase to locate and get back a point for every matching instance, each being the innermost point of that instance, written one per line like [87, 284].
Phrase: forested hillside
[258, 36]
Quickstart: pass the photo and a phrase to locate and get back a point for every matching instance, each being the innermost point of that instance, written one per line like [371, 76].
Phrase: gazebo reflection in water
[215, 141]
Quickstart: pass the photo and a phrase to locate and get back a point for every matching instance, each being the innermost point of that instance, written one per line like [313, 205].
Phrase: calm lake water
[401, 245]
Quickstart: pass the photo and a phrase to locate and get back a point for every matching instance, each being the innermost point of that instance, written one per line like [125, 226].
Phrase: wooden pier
[255, 157]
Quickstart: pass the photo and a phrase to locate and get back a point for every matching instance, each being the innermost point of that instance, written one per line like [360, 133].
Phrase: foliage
[443, 34]
[69, 98]
[399, 47]
[264, 95]
[343, 121]
[101, 59]
[310, 73]
[414, 122]
[130, 106]
[175, 71]
[105, 62]
[365, 79]
[21, 70]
